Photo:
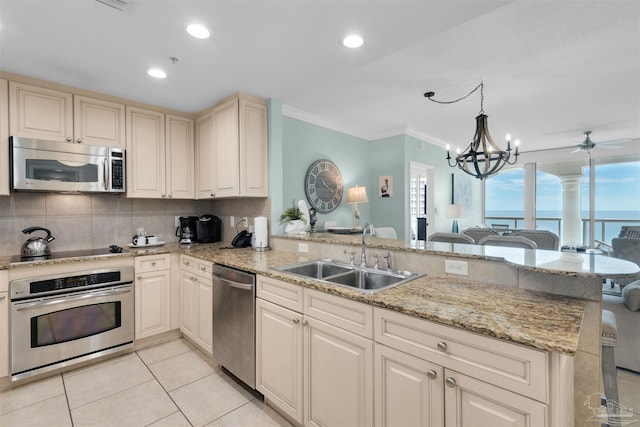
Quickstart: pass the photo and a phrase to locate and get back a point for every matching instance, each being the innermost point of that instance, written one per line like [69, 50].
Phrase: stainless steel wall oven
[61, 320]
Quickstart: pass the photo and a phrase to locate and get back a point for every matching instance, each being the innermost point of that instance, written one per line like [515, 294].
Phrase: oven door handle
[73, 298]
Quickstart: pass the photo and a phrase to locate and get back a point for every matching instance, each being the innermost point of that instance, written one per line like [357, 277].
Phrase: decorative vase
[295, 226]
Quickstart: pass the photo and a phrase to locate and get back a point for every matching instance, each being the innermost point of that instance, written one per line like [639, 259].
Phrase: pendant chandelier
[483, 157]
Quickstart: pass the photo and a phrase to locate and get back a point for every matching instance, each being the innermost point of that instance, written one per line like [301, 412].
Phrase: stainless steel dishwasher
[234, 296]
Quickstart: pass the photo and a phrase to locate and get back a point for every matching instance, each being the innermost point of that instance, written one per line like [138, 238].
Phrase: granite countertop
[535, 319]
[545, 261]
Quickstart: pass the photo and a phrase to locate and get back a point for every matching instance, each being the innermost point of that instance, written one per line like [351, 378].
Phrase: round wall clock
[323, 185]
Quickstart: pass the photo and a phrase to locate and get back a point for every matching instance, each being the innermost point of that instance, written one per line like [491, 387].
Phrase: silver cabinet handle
[153, 264]
[432, 374]
[213, 194]
[203, 268]
[442, 346]
[305, 323]
[69, 139]
[79, 141]
[139, 277]
[2, 297]
[450, 382]
[296, 320]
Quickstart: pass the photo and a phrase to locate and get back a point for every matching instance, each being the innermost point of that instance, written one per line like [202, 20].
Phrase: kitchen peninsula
[499, 301]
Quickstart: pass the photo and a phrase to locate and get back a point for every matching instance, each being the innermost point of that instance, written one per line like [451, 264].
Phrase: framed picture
[461, 190]
[385, 186]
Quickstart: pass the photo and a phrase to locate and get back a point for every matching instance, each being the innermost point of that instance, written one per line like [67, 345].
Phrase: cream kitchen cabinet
[196, 302]
[4, 138]
[4, 324]
[152, 295]
[159, 155]
[232, 149]
[314, 364]
[486, 381]
[408, 390]
[44, 113]
[179, 157]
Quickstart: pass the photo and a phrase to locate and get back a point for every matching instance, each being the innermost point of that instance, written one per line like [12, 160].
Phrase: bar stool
[609, 378]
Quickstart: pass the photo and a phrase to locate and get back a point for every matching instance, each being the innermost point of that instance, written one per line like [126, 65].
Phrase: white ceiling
[551, 69]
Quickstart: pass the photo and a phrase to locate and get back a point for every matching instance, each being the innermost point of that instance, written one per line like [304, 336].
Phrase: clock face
[323, 185]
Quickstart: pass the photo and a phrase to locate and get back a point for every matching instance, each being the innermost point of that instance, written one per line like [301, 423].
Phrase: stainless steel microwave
[39, 165]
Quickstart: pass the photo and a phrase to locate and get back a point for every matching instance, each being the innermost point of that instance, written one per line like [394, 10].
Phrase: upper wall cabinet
[36, 112]
[145, 153]
[232, 149]
[179, 149]
[159, 155]
[4, 138]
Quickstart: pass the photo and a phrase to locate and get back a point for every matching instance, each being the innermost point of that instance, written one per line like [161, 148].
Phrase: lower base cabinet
[338, 376]
[152, 295]
[473, 403]
[317, 364]
[316, 373]
[408, 390]
[196, 302]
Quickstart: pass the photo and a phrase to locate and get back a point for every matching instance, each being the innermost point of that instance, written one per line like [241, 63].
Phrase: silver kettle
[36, 246]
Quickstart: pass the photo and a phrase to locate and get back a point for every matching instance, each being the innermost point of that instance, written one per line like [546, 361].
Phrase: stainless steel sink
[365, 279]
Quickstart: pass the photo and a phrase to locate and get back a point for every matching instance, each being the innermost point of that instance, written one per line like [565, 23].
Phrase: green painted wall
[295, 144]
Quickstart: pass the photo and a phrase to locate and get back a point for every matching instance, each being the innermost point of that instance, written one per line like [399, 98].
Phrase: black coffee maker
[209, 228]
[187, 231]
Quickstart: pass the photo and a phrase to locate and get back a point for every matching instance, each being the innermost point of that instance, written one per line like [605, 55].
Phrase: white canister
[261, 233]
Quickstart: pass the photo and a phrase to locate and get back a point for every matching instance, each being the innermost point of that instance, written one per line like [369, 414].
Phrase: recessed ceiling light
[353, 41]
[157, 73]
[198, 31]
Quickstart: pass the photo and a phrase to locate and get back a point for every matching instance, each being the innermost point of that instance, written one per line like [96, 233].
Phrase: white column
[571, 227]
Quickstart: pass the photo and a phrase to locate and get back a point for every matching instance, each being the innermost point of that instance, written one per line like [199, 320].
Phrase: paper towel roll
[261, 233]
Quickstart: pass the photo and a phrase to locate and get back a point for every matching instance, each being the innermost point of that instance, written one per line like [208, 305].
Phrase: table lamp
[356, 195]
[455, 212]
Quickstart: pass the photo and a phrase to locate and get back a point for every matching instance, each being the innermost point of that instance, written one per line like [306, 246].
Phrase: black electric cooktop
[71, 254]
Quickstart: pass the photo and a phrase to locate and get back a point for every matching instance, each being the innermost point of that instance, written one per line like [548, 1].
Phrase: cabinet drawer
[282, 293]
[152, 263]
[514, 367]
[197, 266]
[338, 311]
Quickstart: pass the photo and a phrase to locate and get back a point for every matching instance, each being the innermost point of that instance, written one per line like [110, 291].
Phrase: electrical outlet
[246, 221]
[461, 268]
[176, 221]
[303, 247]
[232, 221]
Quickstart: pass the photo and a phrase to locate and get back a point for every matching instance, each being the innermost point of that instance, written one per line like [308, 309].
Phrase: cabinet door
[98, 122]
[180, 157]
[338, 376]
[4, 334]
[36, 112]
[226, 151]
[204, 303]
[145, 153]
[5, 170]
[279, 357]
[153, 303]
[470, 402]
[188, 295]
[204, 162]
[254, 149]
[408, 390]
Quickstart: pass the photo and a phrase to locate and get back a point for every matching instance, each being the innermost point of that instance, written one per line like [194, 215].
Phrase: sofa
[626, 308]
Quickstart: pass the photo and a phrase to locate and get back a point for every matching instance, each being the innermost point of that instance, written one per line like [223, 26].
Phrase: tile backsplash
[84, 221]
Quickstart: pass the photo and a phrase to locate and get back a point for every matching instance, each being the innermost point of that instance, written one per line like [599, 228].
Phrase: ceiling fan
[588, 144]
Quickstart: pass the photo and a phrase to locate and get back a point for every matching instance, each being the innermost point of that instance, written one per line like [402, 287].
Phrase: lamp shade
[357, 195]
[455, 211]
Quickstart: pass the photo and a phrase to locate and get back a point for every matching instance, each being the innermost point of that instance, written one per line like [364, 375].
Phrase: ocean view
[612, 221]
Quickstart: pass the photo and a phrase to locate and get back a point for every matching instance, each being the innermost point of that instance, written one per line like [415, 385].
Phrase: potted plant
[294, 219]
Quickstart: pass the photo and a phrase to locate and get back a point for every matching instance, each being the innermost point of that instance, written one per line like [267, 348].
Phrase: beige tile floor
[171, 384]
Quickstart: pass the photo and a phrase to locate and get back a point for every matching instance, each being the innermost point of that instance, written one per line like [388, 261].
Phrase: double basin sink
[365, 279]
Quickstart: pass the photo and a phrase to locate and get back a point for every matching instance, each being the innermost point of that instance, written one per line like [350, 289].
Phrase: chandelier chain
[480, 86]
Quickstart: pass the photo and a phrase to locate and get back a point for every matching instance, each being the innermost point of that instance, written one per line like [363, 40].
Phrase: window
[504, 199]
